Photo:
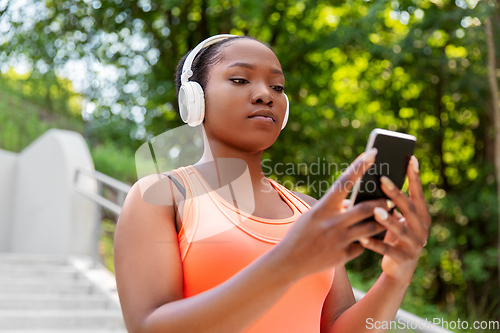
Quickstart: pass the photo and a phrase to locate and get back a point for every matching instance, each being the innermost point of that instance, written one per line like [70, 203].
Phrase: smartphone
[394, 152]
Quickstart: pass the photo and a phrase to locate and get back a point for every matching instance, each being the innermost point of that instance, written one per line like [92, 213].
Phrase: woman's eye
[239, 81]
[279, 88]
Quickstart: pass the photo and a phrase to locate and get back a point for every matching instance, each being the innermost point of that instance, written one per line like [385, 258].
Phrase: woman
[277, 265]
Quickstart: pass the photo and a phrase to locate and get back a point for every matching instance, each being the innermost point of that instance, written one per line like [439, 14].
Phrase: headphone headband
[186, 68]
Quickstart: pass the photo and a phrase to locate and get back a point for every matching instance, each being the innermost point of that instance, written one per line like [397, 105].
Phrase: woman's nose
[263, 95]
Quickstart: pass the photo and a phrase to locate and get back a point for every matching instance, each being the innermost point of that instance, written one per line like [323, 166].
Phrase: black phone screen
[392, 159]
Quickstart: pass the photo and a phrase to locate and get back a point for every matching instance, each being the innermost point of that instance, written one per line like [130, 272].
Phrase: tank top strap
[198, 192]
[190, 216]
[299, 203]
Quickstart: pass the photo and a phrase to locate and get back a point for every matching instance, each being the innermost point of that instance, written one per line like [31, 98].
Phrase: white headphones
[191, 97]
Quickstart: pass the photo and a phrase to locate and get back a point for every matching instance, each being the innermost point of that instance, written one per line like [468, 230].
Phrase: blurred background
[105, 69]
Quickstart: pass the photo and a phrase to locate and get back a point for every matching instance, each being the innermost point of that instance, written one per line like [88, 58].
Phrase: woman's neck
[222, 164]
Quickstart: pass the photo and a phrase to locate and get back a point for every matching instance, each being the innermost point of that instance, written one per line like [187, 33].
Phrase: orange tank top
[217, 240]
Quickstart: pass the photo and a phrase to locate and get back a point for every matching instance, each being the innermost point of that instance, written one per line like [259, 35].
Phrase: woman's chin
[259, 144]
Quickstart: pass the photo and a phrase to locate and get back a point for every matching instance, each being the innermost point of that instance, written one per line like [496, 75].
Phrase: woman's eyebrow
[252, 67]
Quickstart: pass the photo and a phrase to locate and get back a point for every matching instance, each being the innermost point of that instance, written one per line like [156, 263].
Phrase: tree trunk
[496, 114]
[440, 132]
[204, 21]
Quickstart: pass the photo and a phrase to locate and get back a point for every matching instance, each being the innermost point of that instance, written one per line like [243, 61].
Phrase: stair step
[45, 280]
[51, 301]
[29, 258]
[65, 278]
[54, 286]
[60, 319]
[62, 272]
[42, 279]
[33, 266]
[55, 294]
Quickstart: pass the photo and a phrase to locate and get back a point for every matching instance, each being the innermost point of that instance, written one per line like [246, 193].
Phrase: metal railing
[410, 320]
[97, 197]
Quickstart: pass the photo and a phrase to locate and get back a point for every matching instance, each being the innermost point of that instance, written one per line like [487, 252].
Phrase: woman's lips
[262, 118]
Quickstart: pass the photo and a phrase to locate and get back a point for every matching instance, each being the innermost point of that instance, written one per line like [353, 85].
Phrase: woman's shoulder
[153, 197]
[155, 189]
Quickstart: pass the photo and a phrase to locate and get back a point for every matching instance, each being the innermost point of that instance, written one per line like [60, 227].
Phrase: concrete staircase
[55, 294]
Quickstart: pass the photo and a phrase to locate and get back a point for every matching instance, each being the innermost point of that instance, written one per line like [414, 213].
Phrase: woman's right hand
[323, 236]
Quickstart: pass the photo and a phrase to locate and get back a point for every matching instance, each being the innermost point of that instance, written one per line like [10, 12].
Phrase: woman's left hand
[407, 233]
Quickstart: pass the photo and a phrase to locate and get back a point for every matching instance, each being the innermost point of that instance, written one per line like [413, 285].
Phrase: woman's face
[247, 80]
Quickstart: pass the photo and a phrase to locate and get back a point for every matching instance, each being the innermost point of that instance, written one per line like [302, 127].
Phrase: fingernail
[414, 162]
[370, 155]
[390, 204]
[380, 213]
[387, 183]
[364, 241]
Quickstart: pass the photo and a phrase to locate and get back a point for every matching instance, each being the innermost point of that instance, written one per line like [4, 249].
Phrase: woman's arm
[340, 311]
[403, 243]
[379, 305]
[340, 297]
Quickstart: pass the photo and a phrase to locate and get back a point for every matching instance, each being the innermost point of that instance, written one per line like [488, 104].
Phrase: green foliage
[106, 243]
[115, 161]
[23, 118]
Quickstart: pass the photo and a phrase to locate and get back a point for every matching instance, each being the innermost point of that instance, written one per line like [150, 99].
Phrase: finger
[415, 189]
[361, 211]
[405, 205]
[343, 185]
[397, 214]
[402, 232]
[383, 248]
[346, 203]
[363, 230]
[390, 238]
[353, 250]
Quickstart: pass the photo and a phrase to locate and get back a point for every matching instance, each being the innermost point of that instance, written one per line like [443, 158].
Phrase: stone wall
[39, 210]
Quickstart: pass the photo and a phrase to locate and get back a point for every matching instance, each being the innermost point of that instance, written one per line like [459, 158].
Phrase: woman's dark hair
[207, 57]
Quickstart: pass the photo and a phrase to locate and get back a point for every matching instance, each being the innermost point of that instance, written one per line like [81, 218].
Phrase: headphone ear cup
[199, 104]
[285, 120]
[192, 103]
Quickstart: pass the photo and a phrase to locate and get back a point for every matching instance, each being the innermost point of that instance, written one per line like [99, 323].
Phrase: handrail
[116, 209]
[411, 321]
[110, 181]
[121, 188]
